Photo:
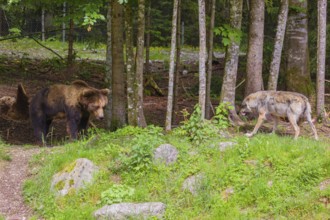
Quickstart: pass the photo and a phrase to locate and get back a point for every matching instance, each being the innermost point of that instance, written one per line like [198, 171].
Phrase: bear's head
[94, 101]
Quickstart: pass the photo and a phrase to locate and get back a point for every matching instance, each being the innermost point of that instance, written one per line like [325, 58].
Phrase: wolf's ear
[105, 92]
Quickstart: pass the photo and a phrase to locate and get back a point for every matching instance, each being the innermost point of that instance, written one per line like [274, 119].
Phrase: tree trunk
[321, 55]
[70, 42]
[280, 32]
[228, 89]
[139, 62]
[202, 56]
[108, 70]
[119, 99]
[177, 65]
[168, 122]
[63, 23]
[255, 49]
[130, 69]
[298, 73]
[148, 27]
[209, 63]
[43, 24]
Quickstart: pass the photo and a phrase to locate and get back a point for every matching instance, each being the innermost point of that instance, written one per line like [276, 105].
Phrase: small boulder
[74, 176]
[131, 211]
[166, 153]
[193, 183]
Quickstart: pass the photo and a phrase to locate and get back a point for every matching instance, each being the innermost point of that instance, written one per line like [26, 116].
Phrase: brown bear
[77, 101]
[15, 108]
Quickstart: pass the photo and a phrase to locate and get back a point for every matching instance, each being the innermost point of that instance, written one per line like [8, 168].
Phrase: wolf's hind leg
[309, 119]
[293, 120]
[261, 118]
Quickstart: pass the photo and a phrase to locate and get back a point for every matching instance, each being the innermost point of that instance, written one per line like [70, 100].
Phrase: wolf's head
[249, 105]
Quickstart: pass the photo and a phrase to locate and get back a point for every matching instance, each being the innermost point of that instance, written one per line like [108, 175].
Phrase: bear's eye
[94, 106]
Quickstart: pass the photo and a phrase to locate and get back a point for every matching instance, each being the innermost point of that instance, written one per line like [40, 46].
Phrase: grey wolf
[278, 104]
[76, 101]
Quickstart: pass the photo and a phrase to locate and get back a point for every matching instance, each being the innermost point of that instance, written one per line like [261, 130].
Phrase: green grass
[3, 153]
[29, 48]
[271, 176]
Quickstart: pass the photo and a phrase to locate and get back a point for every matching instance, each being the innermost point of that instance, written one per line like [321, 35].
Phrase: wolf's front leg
[261, 118]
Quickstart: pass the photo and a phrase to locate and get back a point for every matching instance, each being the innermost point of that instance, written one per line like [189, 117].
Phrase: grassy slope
[271, 176]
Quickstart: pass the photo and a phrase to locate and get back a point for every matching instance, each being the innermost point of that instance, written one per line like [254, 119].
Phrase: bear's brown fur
[77, 101]
[15, 108]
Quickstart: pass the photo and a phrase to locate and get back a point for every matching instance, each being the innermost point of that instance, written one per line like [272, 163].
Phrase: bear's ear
[85, 97]
[105, 92]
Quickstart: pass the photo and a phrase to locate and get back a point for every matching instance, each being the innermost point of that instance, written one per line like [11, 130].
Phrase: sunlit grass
[270, 176]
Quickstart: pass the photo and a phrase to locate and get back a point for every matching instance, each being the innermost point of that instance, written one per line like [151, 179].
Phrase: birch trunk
[321, 55]
[228, 89]
[202, 56]
[276, 59]
[148, 26]
[130, 69]
[43, 24]
[177, 65]
[168, 122]
[139, 63]
[208, 104]
[255, 49]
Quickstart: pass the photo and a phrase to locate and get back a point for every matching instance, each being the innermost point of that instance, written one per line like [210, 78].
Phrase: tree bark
[298, 73]
[139, 62]
[202, 56]
[208, 103]
[130, 69]
[177, 65]
[108, 70]
[228, 89]
[43, 24]
[321, 55]
[70, 42]
[280, 32]
[168, 122]
[119, 99]
[255, 49]
[148, 27]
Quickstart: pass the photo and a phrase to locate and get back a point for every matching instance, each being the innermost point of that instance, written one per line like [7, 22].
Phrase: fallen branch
[47, 48]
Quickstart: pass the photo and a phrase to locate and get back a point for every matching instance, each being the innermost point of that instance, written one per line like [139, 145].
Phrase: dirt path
[12, 176]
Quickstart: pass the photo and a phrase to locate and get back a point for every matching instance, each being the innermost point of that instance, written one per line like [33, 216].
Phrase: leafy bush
[198, 129]
[116, 194]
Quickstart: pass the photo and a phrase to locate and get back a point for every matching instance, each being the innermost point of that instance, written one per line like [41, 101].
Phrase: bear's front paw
[249, 134]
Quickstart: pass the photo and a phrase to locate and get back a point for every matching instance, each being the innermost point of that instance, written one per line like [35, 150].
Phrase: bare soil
[12, 176]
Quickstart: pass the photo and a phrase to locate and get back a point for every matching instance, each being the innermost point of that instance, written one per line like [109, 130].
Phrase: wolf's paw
[249, 134]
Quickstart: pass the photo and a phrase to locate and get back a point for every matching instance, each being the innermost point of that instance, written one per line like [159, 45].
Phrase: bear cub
[77, 101]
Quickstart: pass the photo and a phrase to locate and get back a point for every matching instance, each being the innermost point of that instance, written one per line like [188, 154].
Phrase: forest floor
[36, 74]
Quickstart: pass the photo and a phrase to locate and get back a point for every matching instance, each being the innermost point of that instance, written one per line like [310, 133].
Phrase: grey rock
[166, 153]
[131, 211]
[193, 183]
[76, 176]
[324, 184]
[225, 145]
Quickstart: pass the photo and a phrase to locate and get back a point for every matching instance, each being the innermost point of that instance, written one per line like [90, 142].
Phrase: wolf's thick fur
[77, 101]
[290, 105]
